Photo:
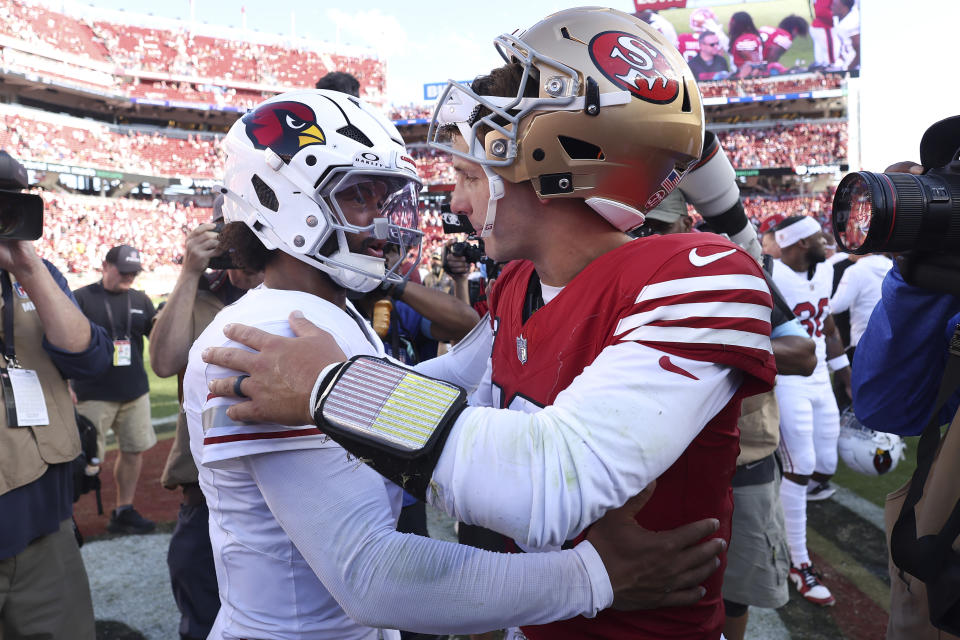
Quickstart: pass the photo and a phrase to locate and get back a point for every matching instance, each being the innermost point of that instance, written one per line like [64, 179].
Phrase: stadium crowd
[786, 145]
[218, 62]
[78, 230]
[93, 144]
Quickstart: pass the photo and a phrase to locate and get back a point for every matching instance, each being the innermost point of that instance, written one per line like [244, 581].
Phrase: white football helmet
[702, 18]
[867, 451]
[607, 111]
[326, 179]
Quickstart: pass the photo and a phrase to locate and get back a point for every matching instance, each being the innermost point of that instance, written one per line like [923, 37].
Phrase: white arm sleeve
[543, 477]
[846, 291]
[336, 511]
[465, 364]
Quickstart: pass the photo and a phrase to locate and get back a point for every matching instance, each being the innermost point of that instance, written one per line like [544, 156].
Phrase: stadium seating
[32, 135]
[786, 145]
[78, 230]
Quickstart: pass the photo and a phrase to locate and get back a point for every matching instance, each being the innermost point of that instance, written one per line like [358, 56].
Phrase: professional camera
[903, 212]
[21, 214]
[454, 223]
[222, 260]
[470, 252]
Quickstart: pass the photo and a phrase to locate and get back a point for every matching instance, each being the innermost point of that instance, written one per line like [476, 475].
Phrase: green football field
[764, 14]
[163, 391]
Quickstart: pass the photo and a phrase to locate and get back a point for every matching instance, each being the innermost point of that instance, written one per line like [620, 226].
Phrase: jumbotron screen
[748, 39]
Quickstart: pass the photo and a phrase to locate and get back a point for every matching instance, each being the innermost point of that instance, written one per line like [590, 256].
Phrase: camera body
[21, 214]
[470, 252]
[454, 223]
[222, 260]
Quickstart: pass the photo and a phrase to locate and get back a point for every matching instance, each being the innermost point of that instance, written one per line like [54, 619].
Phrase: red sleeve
[707, 302]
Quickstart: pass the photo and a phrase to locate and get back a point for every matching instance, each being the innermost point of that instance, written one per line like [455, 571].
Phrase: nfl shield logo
[522, 349]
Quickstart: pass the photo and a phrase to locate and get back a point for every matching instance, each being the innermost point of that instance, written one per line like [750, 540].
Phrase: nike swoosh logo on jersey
[698, 260]
[672, 368]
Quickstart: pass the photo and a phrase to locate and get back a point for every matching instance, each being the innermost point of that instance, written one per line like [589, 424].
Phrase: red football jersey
[823, 14]
[619, 297]
[774, 36]
[747, 48]
[689, 45]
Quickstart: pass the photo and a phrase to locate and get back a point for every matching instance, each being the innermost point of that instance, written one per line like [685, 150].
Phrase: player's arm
[844, 296]
[336, 512]
[172, 333]
[547, 475]
[711, 187]
[793, 350]
[450, 317]
[837, 360]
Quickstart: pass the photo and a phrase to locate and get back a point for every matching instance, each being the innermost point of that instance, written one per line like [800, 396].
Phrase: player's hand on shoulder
[281, 372]
[653, 569]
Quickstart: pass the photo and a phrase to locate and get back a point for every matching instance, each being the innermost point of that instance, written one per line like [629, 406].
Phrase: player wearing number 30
[809, 420]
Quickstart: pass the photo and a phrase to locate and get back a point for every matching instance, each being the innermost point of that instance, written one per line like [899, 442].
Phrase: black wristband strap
[390, 417]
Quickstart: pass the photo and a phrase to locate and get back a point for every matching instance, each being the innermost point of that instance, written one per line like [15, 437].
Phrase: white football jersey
[264, 581]
[809, 298]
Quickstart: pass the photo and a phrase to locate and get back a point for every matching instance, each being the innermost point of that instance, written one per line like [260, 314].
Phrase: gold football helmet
[617, 118]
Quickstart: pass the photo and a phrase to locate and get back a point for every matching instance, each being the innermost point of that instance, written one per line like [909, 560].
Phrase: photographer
[899, 363]
[45, 339]
[196, 298]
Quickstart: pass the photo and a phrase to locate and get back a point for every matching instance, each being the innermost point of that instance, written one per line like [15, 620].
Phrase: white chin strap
[495, 184]
[354, 280]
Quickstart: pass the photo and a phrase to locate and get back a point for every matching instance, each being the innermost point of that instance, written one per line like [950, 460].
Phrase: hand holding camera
[202, 244]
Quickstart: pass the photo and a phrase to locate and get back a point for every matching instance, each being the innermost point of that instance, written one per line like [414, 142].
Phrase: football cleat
[820, 491]
[807, 581]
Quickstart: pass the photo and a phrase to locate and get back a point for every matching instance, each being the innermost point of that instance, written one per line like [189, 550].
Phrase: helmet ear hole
[685, 106]
[265, 194]
[578, 149]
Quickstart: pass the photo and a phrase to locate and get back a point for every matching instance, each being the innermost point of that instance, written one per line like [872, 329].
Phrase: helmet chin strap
[355, 280]
[495, 185]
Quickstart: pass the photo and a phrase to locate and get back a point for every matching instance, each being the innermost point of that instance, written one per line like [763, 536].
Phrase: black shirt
[698, 65]
[124, 383]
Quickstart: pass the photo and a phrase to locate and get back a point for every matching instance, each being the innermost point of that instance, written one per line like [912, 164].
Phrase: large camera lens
[876, 212]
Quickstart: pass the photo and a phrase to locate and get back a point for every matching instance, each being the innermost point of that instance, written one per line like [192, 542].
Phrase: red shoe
[807, 581]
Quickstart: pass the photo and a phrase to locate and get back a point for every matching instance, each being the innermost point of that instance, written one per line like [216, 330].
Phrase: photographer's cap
[126, 259]
[939, 144]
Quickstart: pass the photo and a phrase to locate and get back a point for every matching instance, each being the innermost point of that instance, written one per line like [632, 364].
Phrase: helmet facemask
[604, 110]
[370, 214]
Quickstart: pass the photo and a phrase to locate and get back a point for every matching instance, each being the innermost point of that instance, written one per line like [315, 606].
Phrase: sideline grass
[163, 391]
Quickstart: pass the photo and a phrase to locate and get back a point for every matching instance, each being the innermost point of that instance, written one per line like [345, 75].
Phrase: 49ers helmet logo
[636, 65]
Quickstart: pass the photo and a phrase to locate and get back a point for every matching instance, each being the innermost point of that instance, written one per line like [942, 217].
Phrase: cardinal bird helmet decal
[324, 178]
[284, 127]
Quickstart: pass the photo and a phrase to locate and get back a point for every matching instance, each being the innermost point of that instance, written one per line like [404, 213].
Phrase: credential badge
[522, 350]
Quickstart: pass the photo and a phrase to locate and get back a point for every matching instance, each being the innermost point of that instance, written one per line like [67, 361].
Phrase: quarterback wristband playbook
[391, 417]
